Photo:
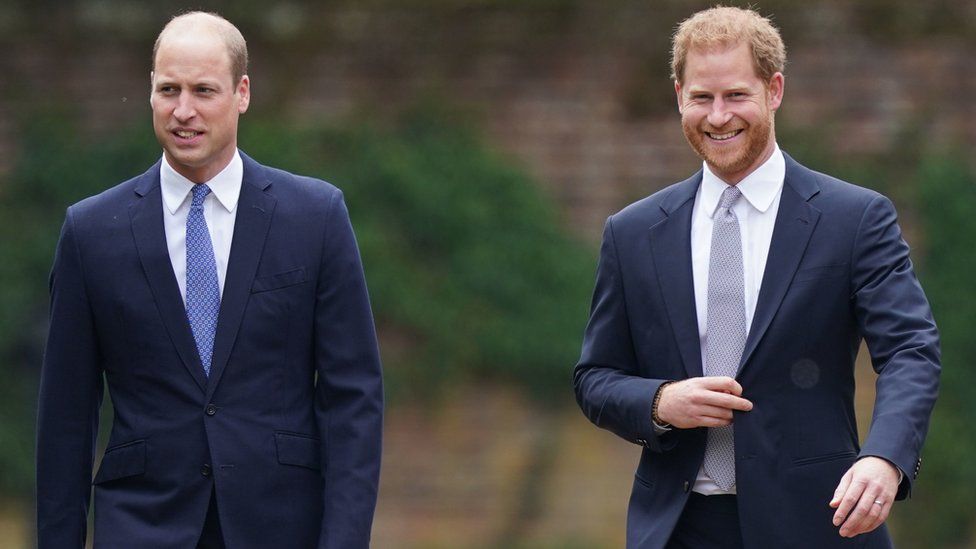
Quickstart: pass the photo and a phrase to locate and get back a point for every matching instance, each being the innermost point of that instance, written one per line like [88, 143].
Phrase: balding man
[223, 304]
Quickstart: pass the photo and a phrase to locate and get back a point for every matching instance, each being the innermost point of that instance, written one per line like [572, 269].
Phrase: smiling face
[727, 110]
[196, 103]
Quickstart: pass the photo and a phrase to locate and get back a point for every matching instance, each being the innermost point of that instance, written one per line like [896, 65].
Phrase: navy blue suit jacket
[286, 430]
[838, 271]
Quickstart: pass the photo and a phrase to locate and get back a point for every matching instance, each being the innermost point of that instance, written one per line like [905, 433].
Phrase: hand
[870, 480]
[701, 402]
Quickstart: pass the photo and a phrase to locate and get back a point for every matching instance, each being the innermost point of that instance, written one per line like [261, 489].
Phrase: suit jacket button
[686, 487]
[205, 470]
[211, 409]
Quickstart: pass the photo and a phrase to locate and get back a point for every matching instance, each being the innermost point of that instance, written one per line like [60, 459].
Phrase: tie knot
[199, 193]
[730, 195]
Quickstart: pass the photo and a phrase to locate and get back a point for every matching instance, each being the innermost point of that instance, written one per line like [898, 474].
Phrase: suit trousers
[708, 522]
[212, 537]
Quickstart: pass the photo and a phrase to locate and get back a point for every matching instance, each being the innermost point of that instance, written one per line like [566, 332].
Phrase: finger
[845, 481]
[878, 514]
[723, 400]
[731, 402]
[712, 417]
[722, 384]
[848, 501]
[861, 517]
[713, 422]
[850, 526]
[875, 516]
[885, 510]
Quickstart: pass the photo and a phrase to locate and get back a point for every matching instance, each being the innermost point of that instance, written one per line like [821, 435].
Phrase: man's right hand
[701, 402]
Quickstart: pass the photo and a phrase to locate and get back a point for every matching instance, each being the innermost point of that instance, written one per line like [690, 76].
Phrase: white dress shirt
[756, 211]
[219, 209]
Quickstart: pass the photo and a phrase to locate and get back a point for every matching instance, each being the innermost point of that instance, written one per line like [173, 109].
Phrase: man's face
[196, 104]
[727, 110]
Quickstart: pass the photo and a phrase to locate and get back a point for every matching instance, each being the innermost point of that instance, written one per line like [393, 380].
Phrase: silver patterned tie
[725, 329]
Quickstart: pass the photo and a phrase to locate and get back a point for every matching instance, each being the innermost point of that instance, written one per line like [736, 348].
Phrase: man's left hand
[864, 496]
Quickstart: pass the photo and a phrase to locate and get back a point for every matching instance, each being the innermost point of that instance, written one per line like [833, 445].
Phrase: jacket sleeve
[349, 391]
[68, 404]
[609, 388]
[894, 317]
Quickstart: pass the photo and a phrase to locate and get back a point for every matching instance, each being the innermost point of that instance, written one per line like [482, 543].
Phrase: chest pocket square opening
[821, 272]
[278, 281]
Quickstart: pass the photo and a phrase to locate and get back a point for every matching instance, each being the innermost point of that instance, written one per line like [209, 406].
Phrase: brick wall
[577, 92]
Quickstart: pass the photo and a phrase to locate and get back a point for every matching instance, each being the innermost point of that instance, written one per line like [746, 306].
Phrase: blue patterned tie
[202, 290]
[725, 327]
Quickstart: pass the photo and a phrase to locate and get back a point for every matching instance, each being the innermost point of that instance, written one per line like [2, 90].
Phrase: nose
[185, 108]
[719, 115]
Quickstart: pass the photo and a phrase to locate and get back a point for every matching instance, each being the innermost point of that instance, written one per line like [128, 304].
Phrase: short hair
[724, 26]
[232, 37]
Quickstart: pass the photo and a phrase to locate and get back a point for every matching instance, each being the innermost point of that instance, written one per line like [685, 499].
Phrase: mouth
[186, 135]
[723, 136]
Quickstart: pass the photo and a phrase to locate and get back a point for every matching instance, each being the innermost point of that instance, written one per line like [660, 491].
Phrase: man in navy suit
[223, 304]
[726, 318]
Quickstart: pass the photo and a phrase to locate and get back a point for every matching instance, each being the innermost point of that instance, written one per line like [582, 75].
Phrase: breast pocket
[821, 272]
[271, 306]
[278, 281]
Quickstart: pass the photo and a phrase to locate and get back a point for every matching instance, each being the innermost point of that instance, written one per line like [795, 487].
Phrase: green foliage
[947, 198]
[470, 275]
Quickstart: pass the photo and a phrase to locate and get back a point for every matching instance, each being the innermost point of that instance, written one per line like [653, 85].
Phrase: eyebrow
[175, 82]
[691, 90]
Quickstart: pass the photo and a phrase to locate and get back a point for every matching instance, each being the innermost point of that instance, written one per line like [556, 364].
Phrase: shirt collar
[759, 188]
[225, 186]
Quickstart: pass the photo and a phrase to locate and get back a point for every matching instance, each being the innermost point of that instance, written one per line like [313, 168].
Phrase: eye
[166, 89]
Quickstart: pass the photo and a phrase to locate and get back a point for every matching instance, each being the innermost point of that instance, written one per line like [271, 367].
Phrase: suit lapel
[146, 217]
[671, 253]
[254, 212]
[795, 222]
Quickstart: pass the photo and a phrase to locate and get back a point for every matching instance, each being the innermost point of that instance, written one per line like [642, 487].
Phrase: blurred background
[481, 145]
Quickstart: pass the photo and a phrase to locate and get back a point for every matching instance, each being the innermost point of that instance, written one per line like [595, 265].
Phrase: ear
[152, 86]
[677, 94]
[244, 91]
[775, 91]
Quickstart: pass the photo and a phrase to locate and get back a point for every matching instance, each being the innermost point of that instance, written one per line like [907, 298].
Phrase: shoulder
[288, 186]
[114, 201]
[653, 209]
[828, 192]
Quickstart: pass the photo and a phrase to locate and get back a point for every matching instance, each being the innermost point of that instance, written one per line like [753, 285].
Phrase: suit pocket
[121, 461]
[298, 449]
[821, 272]
[278, 281]
[833, 456]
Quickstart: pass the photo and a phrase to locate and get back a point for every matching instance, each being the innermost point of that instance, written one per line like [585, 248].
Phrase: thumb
[845, 481]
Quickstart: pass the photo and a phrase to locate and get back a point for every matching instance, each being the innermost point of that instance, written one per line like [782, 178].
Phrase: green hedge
[470, 273]
[943, 505]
